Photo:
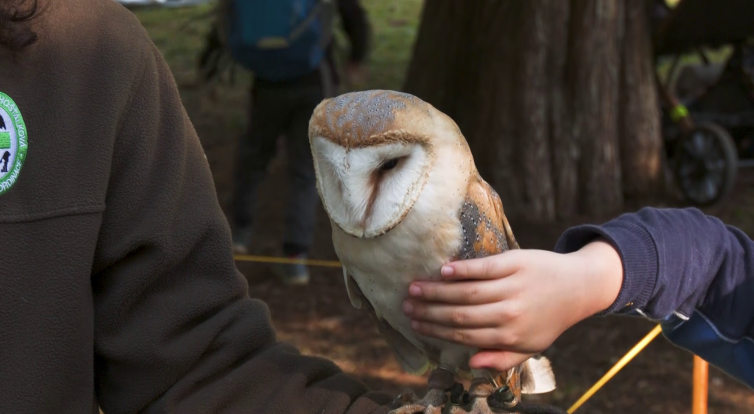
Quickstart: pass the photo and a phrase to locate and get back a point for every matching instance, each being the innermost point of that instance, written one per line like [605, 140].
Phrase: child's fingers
[497, 360]
[459, 293]
[478, 338]
[480, 316]
[491, 267]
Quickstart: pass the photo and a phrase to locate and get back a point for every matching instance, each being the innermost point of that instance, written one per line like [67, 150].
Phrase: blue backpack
[279, 39]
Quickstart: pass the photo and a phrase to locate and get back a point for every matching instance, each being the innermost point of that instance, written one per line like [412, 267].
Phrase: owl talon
[406, 397]
[458, 395]
[439, 383]
[475, 401]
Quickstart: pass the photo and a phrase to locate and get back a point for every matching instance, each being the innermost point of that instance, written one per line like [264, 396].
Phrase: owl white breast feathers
[399, 184]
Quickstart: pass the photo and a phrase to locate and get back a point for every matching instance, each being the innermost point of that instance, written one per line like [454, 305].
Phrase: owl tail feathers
[537, 376]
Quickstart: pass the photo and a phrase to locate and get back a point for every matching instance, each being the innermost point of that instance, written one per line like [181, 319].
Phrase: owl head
[373, 153]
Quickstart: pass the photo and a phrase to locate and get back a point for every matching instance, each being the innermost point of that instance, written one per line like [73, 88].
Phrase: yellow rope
[617, 367]
[287, 260]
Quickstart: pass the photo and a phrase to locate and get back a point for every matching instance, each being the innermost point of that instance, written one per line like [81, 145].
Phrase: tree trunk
[592, 72]
[640, 143]
[539, 89]
[565, 150]
[531, 108]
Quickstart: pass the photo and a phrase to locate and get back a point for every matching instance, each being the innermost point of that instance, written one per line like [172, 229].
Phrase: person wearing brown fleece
[118, 285]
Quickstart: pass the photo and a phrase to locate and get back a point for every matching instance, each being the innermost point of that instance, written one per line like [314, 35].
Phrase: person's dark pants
[276, 110]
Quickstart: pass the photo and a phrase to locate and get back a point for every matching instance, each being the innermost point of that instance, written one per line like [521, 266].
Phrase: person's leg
[300, 215]
[266, 118]
[303, 197]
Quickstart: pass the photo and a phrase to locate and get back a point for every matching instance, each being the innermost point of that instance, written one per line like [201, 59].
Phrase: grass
[394, 25]
[178, 33]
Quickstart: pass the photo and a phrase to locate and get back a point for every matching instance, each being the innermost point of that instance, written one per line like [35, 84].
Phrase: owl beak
[357, 208]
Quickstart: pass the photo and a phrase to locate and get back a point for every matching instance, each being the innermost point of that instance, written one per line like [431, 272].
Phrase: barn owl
[399, 184]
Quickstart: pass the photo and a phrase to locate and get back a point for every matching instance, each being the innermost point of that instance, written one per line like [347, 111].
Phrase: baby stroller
[708, 108]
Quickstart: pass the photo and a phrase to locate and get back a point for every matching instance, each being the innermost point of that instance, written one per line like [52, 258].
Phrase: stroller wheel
[705, 164]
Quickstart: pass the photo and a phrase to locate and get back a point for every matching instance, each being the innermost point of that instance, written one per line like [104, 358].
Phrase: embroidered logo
[13, 142]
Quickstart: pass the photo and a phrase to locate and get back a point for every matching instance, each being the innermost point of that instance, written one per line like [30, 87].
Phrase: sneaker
[292, 274]
[240, 249]
[241, 239]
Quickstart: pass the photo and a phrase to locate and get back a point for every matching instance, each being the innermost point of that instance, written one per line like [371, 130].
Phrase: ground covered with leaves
[319, 318]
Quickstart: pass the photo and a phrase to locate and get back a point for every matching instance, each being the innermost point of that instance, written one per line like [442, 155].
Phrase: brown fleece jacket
[117, 281]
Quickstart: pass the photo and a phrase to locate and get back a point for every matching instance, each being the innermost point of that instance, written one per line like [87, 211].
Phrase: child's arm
[679, 267]
[692, 273]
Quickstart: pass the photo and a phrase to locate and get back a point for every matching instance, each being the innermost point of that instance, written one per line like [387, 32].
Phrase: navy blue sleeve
[691, 273]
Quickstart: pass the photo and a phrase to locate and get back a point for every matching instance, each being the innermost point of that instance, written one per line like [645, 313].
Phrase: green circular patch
[13, 142]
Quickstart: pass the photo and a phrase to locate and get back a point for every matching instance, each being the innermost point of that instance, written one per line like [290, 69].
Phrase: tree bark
[592, 71]
[640, 133]
[531, 86]
[539, 89]
[565, 150]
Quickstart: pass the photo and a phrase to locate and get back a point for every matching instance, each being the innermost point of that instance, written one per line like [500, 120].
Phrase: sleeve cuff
[638, 254]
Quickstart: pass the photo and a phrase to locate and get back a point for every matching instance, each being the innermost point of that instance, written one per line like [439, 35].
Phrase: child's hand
[520, 302]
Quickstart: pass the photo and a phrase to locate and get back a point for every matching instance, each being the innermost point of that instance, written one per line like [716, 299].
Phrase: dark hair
[15, 28]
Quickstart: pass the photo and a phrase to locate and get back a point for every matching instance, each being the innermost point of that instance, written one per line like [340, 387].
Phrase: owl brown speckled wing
[485, 228]
[486, 232]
